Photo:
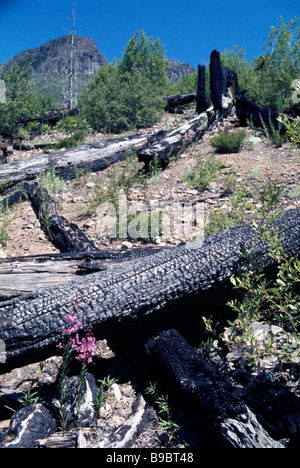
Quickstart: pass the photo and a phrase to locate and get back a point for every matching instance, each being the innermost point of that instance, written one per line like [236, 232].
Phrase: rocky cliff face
[177, 70]
[51, 64]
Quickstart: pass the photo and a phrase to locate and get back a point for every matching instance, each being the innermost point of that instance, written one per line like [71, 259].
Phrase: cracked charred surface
[136, 289]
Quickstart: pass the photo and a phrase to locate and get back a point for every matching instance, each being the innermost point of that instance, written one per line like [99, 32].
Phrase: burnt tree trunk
[248, 111]
[209, 391]
[168, 280]
[176, 100]
[170, 145]
[65, 236]
[216, 83]
[95, 157]
[202, 104]
[23, 275]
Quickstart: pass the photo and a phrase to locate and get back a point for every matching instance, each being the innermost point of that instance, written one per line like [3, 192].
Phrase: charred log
[248, 111]
[24, 275]
[210, 391]
[66, 236]
[178, 100]
[175, 141]
[95, 157]
[138, 288]
[51, 117]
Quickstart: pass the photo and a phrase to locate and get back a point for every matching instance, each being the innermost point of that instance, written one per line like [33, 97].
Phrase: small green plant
[292, 127]
[242, 207]
[203, 173]
[51, 181]
[166, 420]
[29, 398]
[274, 135]
[5, 220]
[102, 393]
[228, 142]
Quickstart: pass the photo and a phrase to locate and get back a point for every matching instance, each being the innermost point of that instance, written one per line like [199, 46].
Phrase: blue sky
[189, 29]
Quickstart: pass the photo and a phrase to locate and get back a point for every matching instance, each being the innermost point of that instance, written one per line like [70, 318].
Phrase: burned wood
[66, 236]
[209, 391]
[216, 83]
[137, 288]
[173, 142]
[50, 117]
[95, 157]
[177, 100]
[258, 115]
[24, 275]
[201, 102]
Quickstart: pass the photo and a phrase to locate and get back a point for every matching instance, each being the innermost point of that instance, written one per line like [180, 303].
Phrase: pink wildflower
[85, 348]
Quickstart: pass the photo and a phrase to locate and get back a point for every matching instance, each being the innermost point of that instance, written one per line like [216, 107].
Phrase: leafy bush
[228, 143]
[127, 94]
[20, 100]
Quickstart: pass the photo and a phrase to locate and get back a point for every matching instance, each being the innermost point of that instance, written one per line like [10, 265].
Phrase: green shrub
[203, 173]
[127, 95]
[228, 143]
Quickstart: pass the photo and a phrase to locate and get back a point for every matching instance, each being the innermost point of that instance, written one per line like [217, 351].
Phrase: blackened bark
[202, 104]
[208, 389]
[216, 82]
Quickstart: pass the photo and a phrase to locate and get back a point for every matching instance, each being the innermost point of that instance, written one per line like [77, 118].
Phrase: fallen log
[66, 236]
[248, 111]
[50, 117]
[95, 157]
[210, 391]
[178, 100]
[173, 142]
[23, 275]
[160, 282]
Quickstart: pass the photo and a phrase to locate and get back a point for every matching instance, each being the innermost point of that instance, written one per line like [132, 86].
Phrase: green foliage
[228, 142]
[268, 80]
[71, 124]
[203, 173]
[275, 301]
[241, 208]
[50, 181]
[275, 136]
[166, 418]
[20, 100]
[292, 128]
[147, 56]
[127, 94]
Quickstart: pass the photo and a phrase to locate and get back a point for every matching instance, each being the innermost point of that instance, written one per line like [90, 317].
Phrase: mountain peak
[50, 64]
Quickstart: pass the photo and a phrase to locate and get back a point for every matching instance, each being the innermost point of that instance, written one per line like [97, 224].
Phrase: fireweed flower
[85, 348]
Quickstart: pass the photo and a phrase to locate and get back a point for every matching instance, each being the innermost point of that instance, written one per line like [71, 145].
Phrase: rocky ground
[258, 162]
